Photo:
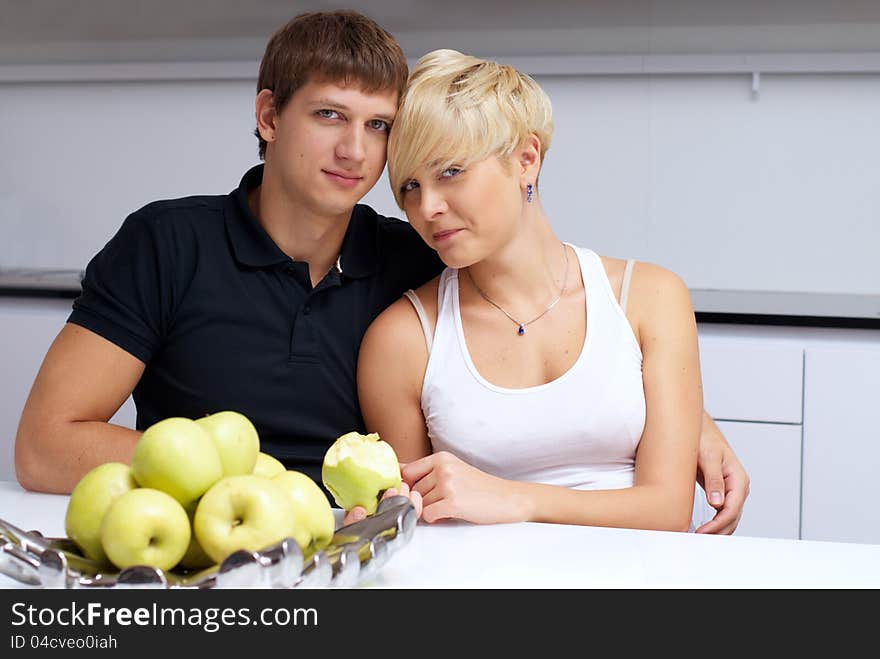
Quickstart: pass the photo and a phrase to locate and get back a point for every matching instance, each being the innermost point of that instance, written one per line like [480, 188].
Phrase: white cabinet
[841, 444]
[753, 388]
[799, 406]
[752, 380]
[28, 328]
[771, 454]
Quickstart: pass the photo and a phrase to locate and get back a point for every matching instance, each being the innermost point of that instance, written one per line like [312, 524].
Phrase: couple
[533, 380]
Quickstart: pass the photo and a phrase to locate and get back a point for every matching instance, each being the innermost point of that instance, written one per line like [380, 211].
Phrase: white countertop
[460, 555]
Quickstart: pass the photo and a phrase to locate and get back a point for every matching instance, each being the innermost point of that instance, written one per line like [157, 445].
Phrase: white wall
[78, 157]
[775, 192]
[733, 190]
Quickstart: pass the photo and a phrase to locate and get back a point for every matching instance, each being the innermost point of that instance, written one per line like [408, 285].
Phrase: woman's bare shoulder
[655, 280]
[398, 327]
[646, 276]
[659, 302]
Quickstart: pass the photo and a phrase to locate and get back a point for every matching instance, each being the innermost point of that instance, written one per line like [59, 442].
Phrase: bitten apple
[243, 512]
[145, 527]
[235, 439]
[88, 503]
[314, 514]
[176, 456]
[266, 466]
[357, 469]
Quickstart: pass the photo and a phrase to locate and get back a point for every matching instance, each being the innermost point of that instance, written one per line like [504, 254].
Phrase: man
[257, 301]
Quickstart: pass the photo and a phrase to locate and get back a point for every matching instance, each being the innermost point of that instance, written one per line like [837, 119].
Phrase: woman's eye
[449, 172]
[409, 186]
[378, 124]
[328, 114]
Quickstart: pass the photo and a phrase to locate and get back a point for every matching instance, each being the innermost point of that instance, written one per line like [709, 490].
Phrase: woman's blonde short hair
[458, 108]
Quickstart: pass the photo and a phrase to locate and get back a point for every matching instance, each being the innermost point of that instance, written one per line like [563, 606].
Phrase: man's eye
[409, 186]
[378, 124]
[327, 114]
[449, 172]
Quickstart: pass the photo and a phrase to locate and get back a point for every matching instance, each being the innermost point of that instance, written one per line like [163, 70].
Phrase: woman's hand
[358, 513]
[723, 478]
[452, 489]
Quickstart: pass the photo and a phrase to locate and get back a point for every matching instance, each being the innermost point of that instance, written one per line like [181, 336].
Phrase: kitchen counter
[786, 308]
[710, 305]
[40, 282]
[461, 555]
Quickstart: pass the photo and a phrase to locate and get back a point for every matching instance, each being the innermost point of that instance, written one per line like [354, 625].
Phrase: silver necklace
[520, 326]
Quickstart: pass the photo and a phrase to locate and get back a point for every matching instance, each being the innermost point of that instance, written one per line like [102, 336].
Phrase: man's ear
[265, 110]
[529, 157]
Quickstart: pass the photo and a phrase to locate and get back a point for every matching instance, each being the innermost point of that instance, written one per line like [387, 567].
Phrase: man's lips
[343, 178]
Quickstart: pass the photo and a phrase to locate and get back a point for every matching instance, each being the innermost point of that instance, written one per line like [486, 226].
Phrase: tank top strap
[597, 283]
[444, 311]
[624, 287]
[423, 317]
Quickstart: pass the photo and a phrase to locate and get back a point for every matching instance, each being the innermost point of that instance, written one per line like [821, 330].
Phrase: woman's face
[467, 211]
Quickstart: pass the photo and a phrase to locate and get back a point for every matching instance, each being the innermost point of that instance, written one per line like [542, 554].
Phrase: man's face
[330, 143]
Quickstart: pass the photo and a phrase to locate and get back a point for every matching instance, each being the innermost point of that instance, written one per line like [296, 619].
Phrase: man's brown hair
[330, 46]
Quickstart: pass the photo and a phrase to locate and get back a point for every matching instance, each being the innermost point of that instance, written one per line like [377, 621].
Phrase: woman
[533, 380]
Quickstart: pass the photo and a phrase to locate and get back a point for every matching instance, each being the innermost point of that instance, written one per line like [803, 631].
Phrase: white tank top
[581, 430]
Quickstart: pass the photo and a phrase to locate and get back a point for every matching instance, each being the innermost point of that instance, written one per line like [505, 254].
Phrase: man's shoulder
[192, 208]
[401, 251]
[178, 225]
[387, 226]
[392, 233]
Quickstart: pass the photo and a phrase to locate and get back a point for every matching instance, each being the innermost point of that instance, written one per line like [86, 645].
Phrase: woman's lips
[440, 236]
[344, 180]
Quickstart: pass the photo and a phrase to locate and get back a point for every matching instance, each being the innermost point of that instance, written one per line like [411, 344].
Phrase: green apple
[145, 527]
[88, 502]
[243, 512]
[314, 514]
[177, 456]
[267, 466]
[195, 557]
[357, 469]
[235, 439]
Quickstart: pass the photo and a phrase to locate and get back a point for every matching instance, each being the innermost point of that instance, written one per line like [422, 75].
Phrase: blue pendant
[521, 330]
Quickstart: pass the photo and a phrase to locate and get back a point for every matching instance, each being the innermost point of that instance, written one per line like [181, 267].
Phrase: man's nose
[351, 145]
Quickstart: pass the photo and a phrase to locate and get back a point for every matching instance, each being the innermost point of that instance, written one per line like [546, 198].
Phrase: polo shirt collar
[254, 247]
[359, 256]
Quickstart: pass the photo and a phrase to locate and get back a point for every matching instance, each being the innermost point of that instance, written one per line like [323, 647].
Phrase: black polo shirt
[224, 320]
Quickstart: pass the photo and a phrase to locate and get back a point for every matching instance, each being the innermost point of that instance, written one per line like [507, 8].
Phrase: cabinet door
[28, 330]
[29, 327]
[771, 454]
[841, 444]
[752, 380]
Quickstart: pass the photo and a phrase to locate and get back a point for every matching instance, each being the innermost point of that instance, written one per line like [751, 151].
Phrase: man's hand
[723, 478]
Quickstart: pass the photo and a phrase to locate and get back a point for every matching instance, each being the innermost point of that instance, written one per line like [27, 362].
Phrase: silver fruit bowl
[357, 552]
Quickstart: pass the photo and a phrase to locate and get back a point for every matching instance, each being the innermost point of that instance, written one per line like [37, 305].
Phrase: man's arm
[722, 477]
[63, 431]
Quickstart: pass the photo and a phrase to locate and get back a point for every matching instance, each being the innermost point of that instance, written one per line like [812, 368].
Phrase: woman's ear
[265, 110]
[529, 157]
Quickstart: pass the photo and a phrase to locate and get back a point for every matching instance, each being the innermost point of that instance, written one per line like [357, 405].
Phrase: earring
[529, 192]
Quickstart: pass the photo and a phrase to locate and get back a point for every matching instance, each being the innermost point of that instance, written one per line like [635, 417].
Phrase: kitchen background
[735, 143]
